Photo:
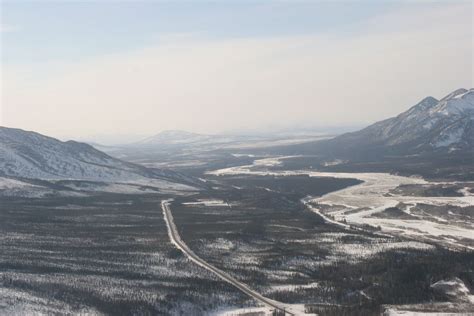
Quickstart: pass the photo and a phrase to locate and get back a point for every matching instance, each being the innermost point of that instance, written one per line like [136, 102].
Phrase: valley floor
[330, 243]
[444, 219]
[107, 254]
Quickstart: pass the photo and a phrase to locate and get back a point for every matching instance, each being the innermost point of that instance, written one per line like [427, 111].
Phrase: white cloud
[213, 85]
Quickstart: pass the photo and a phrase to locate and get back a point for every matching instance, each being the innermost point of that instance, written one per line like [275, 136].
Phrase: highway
[179, 243]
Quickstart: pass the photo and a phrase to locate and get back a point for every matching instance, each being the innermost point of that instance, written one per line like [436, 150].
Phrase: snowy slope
[34, 156]
[434, 123]
[430, 125]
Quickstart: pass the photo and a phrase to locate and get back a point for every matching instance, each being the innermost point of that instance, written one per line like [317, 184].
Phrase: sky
[118, 70]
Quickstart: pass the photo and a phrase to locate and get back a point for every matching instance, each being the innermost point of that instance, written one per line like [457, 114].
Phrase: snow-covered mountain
[431, 123]
[31, 155]
[429, 126]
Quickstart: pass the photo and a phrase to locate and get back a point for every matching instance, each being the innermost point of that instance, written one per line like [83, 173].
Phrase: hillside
[29, 155]
[434, 138]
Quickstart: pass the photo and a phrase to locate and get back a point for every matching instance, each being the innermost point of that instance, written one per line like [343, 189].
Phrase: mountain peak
[456, 94]
[420, 109]
[427, 126]
[424, 104]
[428, 101]
[459, 102]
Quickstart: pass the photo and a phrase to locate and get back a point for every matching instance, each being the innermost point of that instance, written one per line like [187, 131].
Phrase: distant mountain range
[432, 125]
[184, 138]
[436, 136]
[30, 155]
[167, 147]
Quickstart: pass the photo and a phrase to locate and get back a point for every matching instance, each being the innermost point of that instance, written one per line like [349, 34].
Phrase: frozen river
[358, 204]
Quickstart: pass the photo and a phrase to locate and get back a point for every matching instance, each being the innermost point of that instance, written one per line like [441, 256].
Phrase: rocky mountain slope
[30, 155]
[434, 138]
[431, 126]
[446, 123]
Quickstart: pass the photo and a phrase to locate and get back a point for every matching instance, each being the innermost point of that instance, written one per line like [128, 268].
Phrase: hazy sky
[75, 69]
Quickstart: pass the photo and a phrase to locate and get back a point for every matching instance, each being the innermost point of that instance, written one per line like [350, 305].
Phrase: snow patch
[372, 196]
[208, 202]
[455, 289]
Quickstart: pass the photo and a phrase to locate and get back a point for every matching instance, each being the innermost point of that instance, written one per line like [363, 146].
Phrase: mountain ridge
[31, 155]
[429, 125]
[433, 138]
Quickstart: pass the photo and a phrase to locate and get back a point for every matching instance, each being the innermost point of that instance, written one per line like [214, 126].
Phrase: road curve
[179, 243]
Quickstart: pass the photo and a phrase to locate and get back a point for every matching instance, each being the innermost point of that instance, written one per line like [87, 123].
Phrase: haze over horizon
[236, 157]
[81, 70]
